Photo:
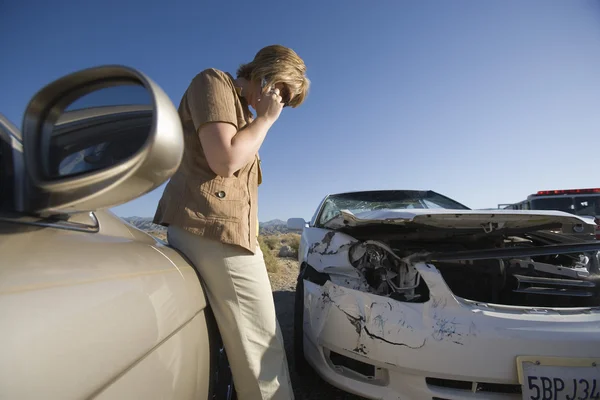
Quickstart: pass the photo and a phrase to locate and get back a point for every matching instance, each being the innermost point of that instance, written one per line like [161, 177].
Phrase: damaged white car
[411, 295]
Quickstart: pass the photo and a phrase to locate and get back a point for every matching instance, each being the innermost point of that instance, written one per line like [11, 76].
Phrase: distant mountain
[266, 228]
[273, 222]
[273, 226]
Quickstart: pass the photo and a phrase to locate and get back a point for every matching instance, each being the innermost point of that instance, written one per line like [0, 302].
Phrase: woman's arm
[228, 150]
[211, 103]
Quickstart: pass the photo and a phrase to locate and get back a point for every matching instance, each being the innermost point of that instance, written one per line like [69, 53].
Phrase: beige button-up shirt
[198, 200]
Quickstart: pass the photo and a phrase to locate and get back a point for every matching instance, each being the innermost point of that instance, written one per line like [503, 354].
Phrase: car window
[587, 206]
[557, 204]
[114, 134]
[85, 160]
[329, 211]
[385, 200]
[578, 205]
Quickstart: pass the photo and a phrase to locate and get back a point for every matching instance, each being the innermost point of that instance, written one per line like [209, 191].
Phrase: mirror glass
[99, 130]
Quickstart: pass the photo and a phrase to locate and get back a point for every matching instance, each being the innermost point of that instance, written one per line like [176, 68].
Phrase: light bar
[567, 191]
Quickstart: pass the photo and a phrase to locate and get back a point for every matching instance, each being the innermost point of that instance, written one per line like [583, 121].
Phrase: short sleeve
[211, 98]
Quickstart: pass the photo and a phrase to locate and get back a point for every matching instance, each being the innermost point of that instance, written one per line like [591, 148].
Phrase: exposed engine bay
[565, 279]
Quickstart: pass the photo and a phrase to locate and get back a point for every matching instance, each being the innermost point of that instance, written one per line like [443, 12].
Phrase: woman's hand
[269, 105]
[227, 150]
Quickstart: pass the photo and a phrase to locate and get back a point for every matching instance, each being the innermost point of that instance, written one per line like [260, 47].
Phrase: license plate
[554, 378]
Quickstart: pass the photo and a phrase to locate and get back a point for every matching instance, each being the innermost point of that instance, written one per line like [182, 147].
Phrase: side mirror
[11, 165]
[98, 138]
[296, 224]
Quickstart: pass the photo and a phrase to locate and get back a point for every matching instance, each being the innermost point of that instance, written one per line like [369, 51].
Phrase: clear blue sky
[484, 101]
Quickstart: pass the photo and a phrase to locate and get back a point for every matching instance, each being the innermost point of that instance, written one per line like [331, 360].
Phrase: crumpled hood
[488, 220]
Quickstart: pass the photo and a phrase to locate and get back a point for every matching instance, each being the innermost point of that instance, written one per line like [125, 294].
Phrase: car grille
[554, 286]
[475, 387]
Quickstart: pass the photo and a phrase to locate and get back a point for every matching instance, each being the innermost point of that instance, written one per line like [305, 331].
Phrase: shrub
[270, 259]
[294, 241]
[272, 242]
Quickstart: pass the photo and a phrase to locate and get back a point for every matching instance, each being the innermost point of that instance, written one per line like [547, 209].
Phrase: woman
[210, 208]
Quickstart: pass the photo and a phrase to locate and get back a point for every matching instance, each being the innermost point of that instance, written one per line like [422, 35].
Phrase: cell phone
[263, 84]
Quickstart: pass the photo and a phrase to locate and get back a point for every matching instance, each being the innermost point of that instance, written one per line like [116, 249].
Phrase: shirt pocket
[223, 199]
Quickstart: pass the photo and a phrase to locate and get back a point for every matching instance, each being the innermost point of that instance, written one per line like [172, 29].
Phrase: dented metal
[348, 260]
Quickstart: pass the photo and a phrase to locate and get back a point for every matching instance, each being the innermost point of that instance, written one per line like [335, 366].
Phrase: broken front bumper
[447, 347]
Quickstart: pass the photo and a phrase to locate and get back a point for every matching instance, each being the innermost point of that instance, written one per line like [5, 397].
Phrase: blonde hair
[279, 64]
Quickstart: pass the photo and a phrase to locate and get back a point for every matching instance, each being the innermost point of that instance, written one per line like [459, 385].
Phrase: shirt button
[220, 194]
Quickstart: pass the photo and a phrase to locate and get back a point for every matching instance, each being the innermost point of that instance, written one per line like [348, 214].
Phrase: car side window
[329, 211]
[85, 160]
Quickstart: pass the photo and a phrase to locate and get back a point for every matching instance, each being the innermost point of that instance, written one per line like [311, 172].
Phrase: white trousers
[239, 293]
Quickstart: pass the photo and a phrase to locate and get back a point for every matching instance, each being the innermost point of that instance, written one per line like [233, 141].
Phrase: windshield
[385, 200]
[580, 205]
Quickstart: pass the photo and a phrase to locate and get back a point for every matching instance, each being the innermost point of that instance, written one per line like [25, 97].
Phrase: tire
[224, 388]
[303, 368]
[221, 379]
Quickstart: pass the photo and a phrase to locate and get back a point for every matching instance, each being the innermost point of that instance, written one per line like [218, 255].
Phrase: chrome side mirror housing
[98, 138]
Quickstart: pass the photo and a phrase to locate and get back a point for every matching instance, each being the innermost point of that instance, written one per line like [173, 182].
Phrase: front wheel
[221, 385]
[224, 386]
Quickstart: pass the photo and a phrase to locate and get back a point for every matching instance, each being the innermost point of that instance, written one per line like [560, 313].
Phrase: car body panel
[80, 309]
[177, 369]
